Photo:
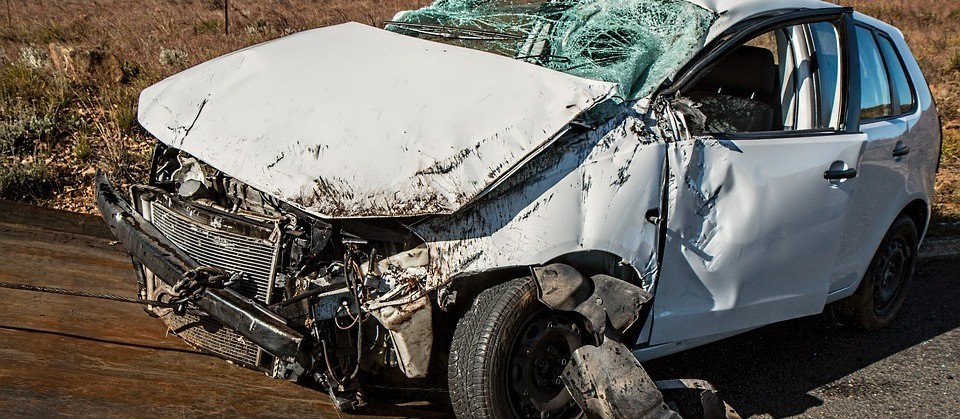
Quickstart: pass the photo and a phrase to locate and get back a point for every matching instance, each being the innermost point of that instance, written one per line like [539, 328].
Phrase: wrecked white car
[518, 194]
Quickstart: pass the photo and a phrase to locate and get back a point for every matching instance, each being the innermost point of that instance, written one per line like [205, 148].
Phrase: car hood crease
[354, 121]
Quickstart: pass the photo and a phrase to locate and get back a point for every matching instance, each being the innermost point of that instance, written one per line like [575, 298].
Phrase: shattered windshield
[635, 43]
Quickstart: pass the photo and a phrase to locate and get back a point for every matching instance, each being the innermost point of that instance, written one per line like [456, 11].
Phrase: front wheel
[507, 354]
[884, 287]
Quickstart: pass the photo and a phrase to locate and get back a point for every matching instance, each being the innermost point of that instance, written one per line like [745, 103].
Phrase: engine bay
[325, 279]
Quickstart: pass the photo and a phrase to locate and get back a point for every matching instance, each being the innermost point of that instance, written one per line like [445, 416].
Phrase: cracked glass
[637, 44]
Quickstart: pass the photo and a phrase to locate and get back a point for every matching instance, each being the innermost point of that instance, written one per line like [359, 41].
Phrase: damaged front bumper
[171, 264]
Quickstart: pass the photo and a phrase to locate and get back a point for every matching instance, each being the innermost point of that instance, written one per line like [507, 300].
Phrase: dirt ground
[69, 356]
[73, 356]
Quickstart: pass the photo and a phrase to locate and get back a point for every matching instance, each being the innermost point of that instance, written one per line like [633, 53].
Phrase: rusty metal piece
[601, 300]
[608, 382]
[716, 408]
[713, 406]
[411, 329]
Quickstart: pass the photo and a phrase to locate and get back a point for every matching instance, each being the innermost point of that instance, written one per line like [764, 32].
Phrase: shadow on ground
[942, 225]
[771, 370]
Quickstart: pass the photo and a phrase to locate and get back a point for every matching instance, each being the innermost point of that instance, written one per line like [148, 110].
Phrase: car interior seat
[741, 93]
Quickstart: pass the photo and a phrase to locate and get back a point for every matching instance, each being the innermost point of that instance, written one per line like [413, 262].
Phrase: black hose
[357, 290]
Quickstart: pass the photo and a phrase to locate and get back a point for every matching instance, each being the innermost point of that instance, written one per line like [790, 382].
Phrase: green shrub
[19, 81]
[82, 148]
[31, 182]
[953, 63]
[951, 145]
[23, 128]
[207, 26]
[130, 71]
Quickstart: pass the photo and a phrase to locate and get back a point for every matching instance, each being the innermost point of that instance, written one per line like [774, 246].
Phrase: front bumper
[169, 263]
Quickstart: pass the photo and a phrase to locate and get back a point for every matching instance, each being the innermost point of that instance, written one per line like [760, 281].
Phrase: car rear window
[875, 99]
[902, 89]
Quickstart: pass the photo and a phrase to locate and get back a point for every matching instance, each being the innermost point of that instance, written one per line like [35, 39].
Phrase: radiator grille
[208, 334]
[233, 252]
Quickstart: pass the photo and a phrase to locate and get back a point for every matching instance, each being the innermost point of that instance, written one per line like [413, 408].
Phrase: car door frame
[737, 34]
[701, 64]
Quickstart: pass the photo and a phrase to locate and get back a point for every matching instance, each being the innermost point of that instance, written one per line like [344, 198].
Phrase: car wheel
[884, 287]
[507, 354]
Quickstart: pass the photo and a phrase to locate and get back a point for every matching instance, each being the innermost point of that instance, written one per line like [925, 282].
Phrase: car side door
[758, 193]
[888, 108]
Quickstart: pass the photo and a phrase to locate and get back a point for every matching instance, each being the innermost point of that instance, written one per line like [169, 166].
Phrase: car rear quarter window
[902, 89]
[875, 99]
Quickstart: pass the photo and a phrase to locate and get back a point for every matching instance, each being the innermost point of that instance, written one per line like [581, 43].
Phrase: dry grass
[60, 126]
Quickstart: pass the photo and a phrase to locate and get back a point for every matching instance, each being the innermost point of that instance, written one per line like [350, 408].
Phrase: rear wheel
[883, 288]
[507, 354]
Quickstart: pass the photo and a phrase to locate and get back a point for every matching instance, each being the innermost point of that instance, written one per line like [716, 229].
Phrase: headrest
[745, 70]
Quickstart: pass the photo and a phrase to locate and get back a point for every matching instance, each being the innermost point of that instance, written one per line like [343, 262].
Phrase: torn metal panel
[589, 191]
[601, 300]
[411, 329]
[354, 121]
[608, 382]
[751, 232]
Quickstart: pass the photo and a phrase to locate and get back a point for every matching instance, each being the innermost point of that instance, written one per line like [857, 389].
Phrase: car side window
[746, 89]
[827, 73]
[903, 90]
[787, 79]
[875, 99]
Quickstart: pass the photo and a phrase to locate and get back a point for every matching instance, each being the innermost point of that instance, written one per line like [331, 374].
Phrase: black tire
[884, 286]
[505, 330]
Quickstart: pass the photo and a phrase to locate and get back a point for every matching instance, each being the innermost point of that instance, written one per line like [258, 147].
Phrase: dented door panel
[876, 203]
[753, 230]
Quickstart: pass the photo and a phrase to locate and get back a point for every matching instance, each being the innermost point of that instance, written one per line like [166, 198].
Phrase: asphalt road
[78, 357]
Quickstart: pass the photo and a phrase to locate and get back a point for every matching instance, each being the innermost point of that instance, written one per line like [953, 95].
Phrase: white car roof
[732, 12]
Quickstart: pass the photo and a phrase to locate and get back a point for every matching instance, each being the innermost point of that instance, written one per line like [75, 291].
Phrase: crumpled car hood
[354, 121]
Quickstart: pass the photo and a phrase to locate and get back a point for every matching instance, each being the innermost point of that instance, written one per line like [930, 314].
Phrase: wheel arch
[587, 262]
[469, 286]
[919, 211]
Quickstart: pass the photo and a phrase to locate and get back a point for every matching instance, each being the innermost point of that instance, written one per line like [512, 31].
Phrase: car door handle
[901, 150]
[840, 174]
